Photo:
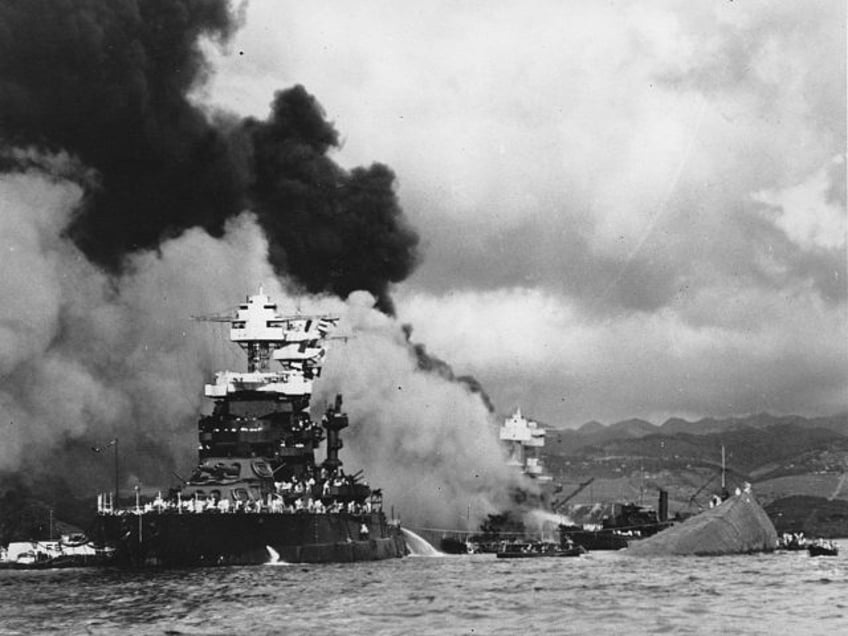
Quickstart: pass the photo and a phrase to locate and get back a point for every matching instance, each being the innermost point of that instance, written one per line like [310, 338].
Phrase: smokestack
[333, 422]
[663, 506]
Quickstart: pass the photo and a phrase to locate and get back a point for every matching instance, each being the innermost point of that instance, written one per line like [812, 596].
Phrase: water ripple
[470, 595]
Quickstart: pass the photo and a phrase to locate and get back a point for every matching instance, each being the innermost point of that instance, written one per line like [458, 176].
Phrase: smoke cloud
[111, 83]
[122, 213]
[329, 229]
[429, 441]
[87, 356]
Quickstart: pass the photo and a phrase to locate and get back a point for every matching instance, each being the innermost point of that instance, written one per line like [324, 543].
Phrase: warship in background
[257, 494]
[624, 523]
[522, 440]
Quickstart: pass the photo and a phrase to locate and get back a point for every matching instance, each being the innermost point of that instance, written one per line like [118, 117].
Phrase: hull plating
[738, 526]
[172, 539]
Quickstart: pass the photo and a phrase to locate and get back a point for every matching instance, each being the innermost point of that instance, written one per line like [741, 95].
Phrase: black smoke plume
[121, 212]
[110, 81]
[332, 230]
[432, 364]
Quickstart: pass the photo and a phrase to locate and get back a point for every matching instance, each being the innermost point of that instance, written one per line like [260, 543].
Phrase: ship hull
[178, 540]
[738, 525]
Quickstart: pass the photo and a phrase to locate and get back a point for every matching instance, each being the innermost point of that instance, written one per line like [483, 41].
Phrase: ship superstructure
[258, 492]
[261, 413]
[523, 439]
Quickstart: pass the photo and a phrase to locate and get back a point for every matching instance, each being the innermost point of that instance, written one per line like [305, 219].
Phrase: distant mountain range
[595, 434]
[798, 465]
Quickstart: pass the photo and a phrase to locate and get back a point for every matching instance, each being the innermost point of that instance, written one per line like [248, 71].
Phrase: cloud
[806, 212]
[715, 351]
[607, 142]
[653, 188]
[87, 356]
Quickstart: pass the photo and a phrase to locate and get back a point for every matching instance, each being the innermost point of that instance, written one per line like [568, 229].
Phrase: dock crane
[559, 503]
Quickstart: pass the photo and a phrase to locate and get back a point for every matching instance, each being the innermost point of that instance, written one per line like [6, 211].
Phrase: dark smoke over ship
[259, 492]
[111, 82]
[125, 201]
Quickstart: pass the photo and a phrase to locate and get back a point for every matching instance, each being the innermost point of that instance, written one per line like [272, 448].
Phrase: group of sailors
[792, 540]
[717, 498]
[273, 503]
[293, 495]
[305, 485]
[797, 541]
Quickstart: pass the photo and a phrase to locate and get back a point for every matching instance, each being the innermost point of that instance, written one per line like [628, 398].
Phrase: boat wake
[419, 546]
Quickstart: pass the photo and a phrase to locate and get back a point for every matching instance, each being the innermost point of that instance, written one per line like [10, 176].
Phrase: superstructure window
[256, 408]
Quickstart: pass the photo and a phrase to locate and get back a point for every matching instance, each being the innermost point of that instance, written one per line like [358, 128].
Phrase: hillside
[781, 456]
[814, 516]
[568, 441]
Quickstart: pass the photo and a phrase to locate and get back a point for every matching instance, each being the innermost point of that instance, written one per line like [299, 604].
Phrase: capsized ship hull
[173, 539]
[738, 525]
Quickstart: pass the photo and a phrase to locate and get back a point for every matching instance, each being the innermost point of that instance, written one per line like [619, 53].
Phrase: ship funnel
[334, 420]
[663, 506]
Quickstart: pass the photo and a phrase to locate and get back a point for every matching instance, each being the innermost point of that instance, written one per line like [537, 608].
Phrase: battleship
[257, 494]
[521, 439]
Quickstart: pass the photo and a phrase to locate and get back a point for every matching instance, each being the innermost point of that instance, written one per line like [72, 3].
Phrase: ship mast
[261, 412]
[523, 439]
[284, 352]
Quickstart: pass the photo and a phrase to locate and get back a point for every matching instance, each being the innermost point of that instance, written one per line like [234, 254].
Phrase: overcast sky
[626, 209]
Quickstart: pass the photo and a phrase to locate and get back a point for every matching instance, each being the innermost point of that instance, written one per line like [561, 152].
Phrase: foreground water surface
[781, 593]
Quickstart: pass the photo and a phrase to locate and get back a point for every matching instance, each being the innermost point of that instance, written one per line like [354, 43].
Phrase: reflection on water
[763, 594]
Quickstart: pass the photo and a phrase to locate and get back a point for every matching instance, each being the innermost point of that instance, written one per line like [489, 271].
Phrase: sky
[625, 209]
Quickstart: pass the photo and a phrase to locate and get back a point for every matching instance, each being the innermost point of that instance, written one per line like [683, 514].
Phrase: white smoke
[85, 357]
[429, 443]
[545, 523]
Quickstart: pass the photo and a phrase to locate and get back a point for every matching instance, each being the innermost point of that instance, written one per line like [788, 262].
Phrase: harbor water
[602, 592]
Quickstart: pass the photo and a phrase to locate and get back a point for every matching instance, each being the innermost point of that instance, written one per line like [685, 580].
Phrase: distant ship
[626, 523]
[523, 440]
[257, 494]
[69, 551]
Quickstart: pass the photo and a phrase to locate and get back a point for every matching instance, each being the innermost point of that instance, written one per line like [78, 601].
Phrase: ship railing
[273, 505]
[634, 530]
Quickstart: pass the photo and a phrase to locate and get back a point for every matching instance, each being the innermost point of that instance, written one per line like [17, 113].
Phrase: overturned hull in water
[738, 525]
